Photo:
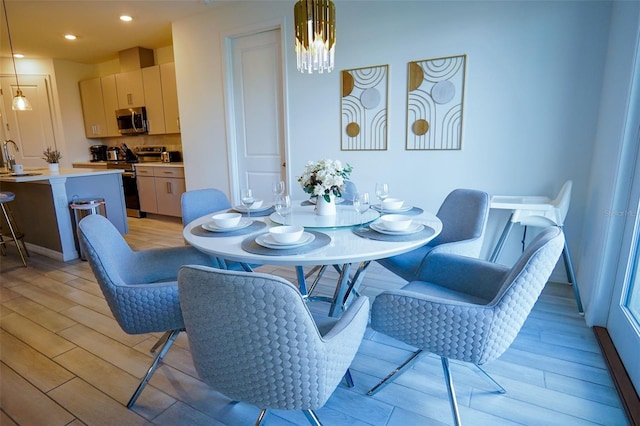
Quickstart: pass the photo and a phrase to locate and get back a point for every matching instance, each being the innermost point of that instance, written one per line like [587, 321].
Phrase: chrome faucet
[9, 159]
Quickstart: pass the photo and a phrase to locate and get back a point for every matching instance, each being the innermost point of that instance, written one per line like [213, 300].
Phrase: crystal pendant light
[315, 23]
[20, 102]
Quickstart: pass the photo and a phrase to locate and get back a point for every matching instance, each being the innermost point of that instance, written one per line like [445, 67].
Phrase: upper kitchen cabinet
[110, 100]
[170, 97]
[99, 103]
[95, 123]
[153, 100]
[161, 98]
[130, 89]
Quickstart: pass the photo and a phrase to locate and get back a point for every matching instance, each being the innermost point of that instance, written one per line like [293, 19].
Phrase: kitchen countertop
[159, 164]
[42, 173]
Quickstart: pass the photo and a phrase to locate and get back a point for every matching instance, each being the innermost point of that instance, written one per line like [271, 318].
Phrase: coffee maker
[98, 153]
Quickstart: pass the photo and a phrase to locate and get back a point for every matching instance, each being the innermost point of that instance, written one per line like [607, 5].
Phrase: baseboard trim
[628, 396]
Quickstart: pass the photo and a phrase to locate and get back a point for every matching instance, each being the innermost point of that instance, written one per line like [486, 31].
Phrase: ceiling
[38, 26]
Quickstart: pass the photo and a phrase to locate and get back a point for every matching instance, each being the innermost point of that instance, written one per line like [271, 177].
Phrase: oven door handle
[129, 174]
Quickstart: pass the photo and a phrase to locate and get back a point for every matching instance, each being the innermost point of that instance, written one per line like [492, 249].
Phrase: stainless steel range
[126, 162]
[129, 185]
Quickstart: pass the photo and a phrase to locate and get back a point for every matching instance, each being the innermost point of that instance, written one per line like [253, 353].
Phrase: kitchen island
[41, 207]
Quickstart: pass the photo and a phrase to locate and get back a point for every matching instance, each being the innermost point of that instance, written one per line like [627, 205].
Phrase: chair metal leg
[397, 372]
[311, 416]
[349, 379]
[503, 238]
[568, 266]
[261, 417]
[169, 341]
[490, 379]
[452, 392]
[16, 234]
[160, 341]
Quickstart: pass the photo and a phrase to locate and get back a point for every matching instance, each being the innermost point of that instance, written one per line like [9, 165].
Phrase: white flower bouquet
[324, 178]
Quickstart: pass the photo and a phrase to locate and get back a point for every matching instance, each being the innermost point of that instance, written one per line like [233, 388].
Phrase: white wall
[533, 80]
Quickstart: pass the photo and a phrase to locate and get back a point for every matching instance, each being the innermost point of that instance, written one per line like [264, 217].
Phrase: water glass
[283, 206]
[246, 198]
[278, 188]
[361, 203]
[382, 192]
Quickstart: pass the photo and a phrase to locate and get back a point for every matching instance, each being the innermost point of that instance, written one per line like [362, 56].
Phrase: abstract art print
[435, 93]
[364, 109]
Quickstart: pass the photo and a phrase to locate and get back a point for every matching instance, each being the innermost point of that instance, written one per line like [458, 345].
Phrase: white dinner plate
[266, 240]
[412, 229]
[405, 208]
[210, 226]
[243, 209]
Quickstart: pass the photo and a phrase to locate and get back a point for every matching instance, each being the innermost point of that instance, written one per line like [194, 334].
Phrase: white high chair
[538, 211]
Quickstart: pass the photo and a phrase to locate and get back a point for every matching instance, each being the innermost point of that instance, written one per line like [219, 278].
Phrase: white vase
[54, 167]
[324, 207]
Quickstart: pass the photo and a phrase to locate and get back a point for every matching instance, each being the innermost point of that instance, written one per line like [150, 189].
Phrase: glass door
[623, 322]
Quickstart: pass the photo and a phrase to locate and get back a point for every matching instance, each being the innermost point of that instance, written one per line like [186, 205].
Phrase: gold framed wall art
[364, 98]
[435, 94]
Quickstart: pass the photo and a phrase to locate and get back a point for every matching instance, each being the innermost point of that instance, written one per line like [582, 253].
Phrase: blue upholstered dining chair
[140, 287]
[199, 202]
[349, 191]
[464, 308]
[253, 338]
[464, 214]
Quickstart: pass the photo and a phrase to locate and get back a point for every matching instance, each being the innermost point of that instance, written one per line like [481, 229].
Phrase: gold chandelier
[20, 102]
[315, 22]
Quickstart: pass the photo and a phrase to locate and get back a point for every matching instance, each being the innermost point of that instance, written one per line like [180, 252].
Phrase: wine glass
[283, 206]
[361, 203]
[382, 192]
[246, 198]
[277, 188]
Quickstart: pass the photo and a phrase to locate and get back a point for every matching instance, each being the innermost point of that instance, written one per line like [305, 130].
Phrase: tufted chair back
[464, 214]
[471, 317]
[253, 338]
[140, 286]
[198, 202]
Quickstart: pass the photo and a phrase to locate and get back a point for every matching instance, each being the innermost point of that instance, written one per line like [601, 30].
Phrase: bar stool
[538, 211]
[16, 236]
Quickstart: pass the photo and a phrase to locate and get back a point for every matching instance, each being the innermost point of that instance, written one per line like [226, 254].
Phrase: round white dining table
[342, 248]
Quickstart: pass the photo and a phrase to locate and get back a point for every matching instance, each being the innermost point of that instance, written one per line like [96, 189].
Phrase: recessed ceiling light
[126, 18]
[70, 37]
[18, 55]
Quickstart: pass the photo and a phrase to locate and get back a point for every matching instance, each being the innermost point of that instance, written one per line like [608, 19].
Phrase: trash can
[83, 207]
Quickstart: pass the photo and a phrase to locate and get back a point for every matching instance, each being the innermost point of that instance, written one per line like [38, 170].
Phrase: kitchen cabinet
[153, 87]
[99, 103]
[153, 99]
[161, 98]
[130, 89]
[170, 97]
[110, 100]
[95, 123]
[160, 189]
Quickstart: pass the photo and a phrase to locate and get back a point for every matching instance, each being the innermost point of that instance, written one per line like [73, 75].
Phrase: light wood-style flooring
[65, 361]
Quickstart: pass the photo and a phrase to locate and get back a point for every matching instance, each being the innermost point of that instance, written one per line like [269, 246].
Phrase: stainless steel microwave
[132, 121]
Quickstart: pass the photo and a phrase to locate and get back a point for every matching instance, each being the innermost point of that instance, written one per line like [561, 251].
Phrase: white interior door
[31, 130]
[257, 141]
